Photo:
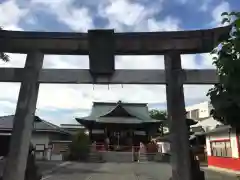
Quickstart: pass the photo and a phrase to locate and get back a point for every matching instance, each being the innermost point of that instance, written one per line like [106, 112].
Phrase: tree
[162, 115]
[80, 147]
[3, 56]
[225, 95]
[159, 115]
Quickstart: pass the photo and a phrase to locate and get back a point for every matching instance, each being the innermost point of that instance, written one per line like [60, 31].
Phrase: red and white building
[223, 149]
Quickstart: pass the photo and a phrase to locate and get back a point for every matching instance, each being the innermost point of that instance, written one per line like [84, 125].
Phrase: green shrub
[79, 149]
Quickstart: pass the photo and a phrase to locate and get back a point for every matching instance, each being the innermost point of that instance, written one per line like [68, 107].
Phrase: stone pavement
[215, 175]
[122, 171]
[42, 165]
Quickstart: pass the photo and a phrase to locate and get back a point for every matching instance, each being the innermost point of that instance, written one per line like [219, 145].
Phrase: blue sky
[61, 103]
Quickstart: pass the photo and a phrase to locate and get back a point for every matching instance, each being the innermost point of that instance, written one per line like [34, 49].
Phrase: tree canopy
[225, 96]
[158, 114]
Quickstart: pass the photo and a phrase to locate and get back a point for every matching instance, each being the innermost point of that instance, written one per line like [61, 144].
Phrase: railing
[117, 148]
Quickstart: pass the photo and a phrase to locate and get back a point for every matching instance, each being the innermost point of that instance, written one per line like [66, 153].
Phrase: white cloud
[76, 18]
[139, 62]
[167, 24]
[224, 6]
[62, 96]
[7, 107]
[66, 62]
[16, 60]
[11, 15]
[207, 61]
[205, 5]
[126, 14]
[188, 61]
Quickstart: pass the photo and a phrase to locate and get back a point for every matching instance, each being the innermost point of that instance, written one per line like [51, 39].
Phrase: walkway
[121, 171]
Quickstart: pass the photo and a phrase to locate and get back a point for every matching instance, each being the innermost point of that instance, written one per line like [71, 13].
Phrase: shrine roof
[125, 113]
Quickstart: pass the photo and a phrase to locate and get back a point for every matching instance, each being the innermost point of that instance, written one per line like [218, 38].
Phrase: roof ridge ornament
[119, 102]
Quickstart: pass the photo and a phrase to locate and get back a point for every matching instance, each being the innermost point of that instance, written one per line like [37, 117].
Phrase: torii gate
[102, 46]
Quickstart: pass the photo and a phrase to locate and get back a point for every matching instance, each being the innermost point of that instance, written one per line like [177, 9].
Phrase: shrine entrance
[120, 141]
[102, 46]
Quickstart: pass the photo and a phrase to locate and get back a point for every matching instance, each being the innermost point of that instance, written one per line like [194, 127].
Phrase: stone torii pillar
[24, 118]
[180, 159]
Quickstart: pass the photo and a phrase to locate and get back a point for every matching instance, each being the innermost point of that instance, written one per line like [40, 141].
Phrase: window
[195, 114]
[221, 148]
[39, 147]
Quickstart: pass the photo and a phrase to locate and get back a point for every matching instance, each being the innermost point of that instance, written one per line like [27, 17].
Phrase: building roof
[208, 123]
[71, 126]
[40, 125]
[219, 129]
[191, 122]
[124, 113]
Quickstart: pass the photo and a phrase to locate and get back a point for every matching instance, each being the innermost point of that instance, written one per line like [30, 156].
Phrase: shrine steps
[95, 157]
[142, 157]
[112, 156]
[118, 157]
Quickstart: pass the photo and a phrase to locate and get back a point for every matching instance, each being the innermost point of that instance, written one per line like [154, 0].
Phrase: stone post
[180, 160]
[23, 120]
[49, 151]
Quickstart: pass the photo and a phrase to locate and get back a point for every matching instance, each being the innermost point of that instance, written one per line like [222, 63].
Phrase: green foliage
[3, 56]
[80, 147]
[225, 96]
[159, 115]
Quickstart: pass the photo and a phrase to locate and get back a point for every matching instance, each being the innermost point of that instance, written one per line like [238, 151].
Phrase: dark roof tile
[6, 123]
[136, 110]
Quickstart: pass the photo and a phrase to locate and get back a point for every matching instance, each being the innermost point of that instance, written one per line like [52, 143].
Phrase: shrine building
[124, 124]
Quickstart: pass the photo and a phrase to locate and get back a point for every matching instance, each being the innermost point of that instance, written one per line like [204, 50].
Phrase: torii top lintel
[134, 43]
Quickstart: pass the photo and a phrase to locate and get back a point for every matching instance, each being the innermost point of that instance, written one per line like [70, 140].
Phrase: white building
[199, 111]
[223, 148]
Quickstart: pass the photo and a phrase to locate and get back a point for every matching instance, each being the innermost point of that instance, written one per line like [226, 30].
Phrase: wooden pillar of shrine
[91, 136]
[180, 159]
[24, 118]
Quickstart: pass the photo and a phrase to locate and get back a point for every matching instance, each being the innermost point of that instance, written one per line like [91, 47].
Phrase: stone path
[43, 166]
[122, 171]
